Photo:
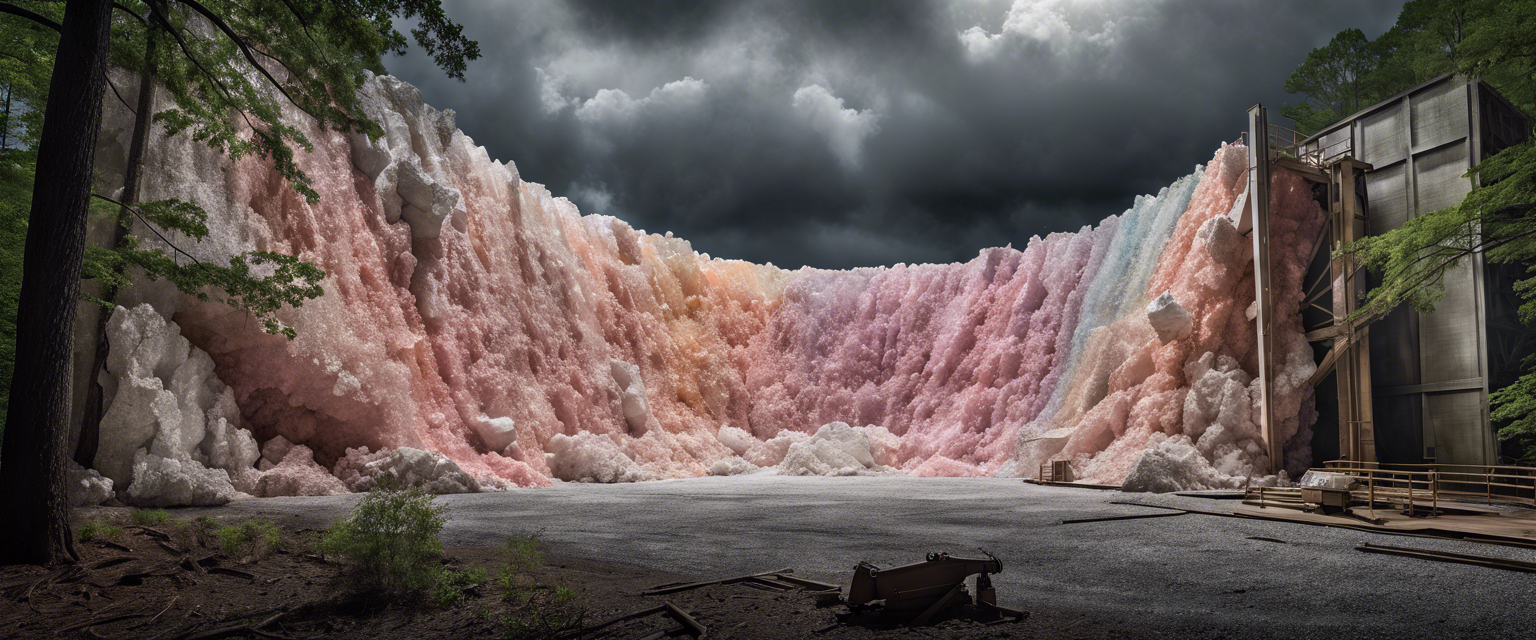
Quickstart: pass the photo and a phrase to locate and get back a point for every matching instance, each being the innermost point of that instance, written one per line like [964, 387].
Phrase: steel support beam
[1357, 438]
[1258, 198]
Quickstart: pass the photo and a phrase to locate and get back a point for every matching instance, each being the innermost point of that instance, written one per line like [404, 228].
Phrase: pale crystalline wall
[481, 331]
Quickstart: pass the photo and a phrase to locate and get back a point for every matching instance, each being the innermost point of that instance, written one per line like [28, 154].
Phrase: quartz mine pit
[479, 333]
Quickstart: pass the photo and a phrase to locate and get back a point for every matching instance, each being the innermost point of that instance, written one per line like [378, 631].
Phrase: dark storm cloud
[839, 134]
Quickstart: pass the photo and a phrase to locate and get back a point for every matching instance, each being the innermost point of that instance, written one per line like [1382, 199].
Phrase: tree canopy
[240, 77]
[230, 70]
[1352, 71]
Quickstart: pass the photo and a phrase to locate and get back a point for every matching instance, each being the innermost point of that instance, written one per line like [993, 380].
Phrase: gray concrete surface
[1184, 576]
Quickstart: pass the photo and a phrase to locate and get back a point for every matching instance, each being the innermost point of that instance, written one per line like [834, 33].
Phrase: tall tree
[1335, 78]
[245, 58]
[26, 60]
[37, 431]
[1444, 24]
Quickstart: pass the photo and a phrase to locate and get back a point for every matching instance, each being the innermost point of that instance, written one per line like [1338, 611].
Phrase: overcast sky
[857, 133]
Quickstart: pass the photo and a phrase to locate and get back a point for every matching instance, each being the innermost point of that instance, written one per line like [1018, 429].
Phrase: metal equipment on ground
[928, 588]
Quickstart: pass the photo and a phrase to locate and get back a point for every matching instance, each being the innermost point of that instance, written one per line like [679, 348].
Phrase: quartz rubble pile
[479, 333]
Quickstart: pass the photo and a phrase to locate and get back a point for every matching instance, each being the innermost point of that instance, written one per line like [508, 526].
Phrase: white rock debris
[87, 488]
[589, 457]
[403, 468]
[170, 433]
[1169, 319]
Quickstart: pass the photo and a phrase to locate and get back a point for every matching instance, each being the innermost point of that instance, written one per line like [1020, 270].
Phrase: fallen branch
[168, 606]
[225, 632]
[191, 565]
[131, 579]
[92, 623]
[152, 532]
[673, 587]
[232, 572]
[1492, 562]
[1184, 509]
[113, 561]
[46, 580]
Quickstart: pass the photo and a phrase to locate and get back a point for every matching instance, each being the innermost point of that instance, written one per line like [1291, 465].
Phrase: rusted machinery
[927, 588]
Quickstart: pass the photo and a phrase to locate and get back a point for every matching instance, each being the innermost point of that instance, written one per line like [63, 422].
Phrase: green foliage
[523, 556]
[390, 541]
[26, 63]
[231, 70]
[537, 610]
[15, 206]
[1501, 47]
[1335, 78]
[258, 58]
[1515, 405]
[1496, 218]
[452, 585]
[544, 613]
[1352, 72]
[250, 538]
[260, 282]
[150, 517]
[98, 530]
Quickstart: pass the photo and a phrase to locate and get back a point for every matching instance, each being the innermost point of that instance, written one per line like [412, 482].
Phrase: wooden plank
[1138, 516]
[673, 587]
[1493, 562]
[1258, 199]
[1503, 530]
[808, 583]
[1075, 485]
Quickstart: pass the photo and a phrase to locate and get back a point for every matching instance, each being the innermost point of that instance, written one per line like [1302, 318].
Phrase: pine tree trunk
[90, 426]
[5, 121]
[32, 464]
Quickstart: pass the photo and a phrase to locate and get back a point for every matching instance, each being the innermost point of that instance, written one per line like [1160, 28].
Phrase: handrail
[1284, 140]
[1436, 465]
[1463, 480]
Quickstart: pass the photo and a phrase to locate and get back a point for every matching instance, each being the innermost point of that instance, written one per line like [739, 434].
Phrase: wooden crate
[1329, 499]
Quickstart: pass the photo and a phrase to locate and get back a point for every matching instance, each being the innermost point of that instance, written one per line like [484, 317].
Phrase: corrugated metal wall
[1430, 371]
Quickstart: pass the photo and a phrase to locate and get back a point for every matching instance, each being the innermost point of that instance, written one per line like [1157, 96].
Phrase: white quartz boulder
[87, 488]
[1169, 319]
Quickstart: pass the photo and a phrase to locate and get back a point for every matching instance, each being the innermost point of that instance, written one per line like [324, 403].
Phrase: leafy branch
[260, 282]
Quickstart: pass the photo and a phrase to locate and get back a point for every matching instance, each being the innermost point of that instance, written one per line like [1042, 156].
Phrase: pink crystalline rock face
[1136, 392]
[470, 313]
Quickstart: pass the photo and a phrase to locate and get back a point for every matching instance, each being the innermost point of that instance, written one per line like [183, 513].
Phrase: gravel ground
[1183, 576]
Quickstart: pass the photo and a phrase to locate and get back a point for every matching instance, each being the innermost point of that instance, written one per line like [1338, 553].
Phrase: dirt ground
[173, 580]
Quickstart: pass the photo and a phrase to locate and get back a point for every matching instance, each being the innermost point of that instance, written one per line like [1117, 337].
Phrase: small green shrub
[252, 537]
[150, 517]
[537, 610]
[390, 540]
[544, 612]
[97, 530]
[197, 532]
[452, 585]
[522, 558]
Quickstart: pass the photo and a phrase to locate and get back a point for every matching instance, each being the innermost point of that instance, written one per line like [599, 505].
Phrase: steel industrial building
[1411, 387]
